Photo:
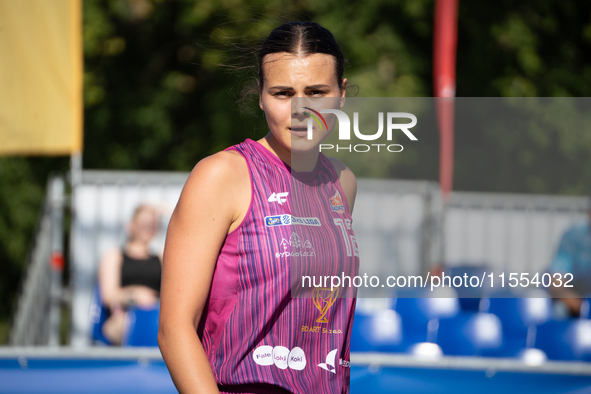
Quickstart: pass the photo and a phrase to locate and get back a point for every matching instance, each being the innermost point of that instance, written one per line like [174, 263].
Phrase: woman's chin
[301, 145]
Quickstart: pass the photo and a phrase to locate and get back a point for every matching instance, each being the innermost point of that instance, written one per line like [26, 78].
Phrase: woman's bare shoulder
[225, 164]
[218, 170]
[112, 255]
[218, 185]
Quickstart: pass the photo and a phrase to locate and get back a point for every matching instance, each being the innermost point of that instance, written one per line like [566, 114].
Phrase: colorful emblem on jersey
[286, 220]
[277, 220]
[324, 298]
[336, 203]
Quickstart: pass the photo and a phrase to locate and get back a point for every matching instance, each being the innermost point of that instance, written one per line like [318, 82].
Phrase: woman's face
[286, 76]
[143, 227]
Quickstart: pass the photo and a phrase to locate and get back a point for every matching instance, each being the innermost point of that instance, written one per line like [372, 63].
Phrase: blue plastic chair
[141, 327]
[565, 339]
[98, 315]
[377, 332]
[519, 317]
[585, 312]
[469, 297]
[417, 313]
[470, 334]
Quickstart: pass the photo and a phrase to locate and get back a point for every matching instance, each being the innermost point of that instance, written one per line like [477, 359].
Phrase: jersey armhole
[250, 178]
[339, 186]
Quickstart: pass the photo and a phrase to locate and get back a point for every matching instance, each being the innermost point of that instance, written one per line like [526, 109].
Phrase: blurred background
[162, 82]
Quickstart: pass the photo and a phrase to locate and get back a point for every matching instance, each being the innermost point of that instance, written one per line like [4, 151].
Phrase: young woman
[131, 275]
[228, 321]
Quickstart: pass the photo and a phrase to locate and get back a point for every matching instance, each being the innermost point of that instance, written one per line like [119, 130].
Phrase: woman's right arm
[109, 279]
[213, 202]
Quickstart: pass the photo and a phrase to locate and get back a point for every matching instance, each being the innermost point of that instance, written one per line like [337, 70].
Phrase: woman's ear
[260, 96]
[343, 91]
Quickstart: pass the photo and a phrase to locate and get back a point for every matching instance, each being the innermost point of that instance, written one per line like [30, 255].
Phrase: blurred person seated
[130, 275]
[573, 256]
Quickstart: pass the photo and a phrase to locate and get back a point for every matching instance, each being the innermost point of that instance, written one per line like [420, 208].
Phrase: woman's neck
[137, 249]
[298, 161]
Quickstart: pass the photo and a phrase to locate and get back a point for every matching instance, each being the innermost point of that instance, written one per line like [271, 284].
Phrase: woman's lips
[299, 131]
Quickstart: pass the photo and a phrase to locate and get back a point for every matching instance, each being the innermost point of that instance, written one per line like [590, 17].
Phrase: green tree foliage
[162, 79]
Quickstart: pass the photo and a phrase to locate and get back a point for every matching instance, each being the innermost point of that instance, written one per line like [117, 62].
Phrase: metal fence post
[56, 260]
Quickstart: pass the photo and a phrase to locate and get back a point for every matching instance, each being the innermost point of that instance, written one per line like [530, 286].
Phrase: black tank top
[141, 272]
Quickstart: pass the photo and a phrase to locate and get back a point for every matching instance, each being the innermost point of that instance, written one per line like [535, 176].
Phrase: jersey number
[350, 242]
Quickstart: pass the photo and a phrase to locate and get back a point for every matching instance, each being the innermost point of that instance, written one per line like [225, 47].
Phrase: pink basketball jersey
[259, 339]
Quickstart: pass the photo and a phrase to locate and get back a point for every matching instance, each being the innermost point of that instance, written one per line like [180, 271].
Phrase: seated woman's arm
[109, 279]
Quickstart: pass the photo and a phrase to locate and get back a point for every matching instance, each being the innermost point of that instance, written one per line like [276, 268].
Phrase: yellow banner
[40, 77]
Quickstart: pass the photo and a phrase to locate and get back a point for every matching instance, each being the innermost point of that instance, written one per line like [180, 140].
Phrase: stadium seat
[585, 312]
[379, 331]
[417, 313]
[565, 339]
[98, 315]
[469, 297]
[470, 334]
[141, 327]
[519, 317]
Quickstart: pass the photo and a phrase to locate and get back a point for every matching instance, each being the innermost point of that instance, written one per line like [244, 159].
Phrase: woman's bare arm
[213, 202]
[109, 276]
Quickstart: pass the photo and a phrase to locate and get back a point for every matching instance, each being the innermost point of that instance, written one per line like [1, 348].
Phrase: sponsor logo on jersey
[345, 363]
[315, 222]
[279, 198]
[296, 247]
[320, 330]
[329, 363]
[280, 356]
[336, 203]
[286, 220]
[324, 298]
[277, 220]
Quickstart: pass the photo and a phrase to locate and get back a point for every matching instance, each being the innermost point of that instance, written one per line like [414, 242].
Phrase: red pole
[444, 75]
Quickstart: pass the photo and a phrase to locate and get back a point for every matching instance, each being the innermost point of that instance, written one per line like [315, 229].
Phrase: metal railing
[37, 317]
[508, 232]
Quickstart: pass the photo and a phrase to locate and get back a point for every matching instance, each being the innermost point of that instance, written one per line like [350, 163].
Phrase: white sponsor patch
[281, 356]
[263, 355]
[297, 359]
[286, 220]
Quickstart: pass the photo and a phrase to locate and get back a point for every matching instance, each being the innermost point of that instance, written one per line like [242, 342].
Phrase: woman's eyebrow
[281, 87]
[318, 86]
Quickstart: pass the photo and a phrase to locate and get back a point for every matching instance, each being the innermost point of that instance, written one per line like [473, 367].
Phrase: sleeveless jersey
[259, 339]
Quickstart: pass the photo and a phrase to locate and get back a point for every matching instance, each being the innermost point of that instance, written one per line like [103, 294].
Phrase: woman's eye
[317, 92]
[281, 94]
